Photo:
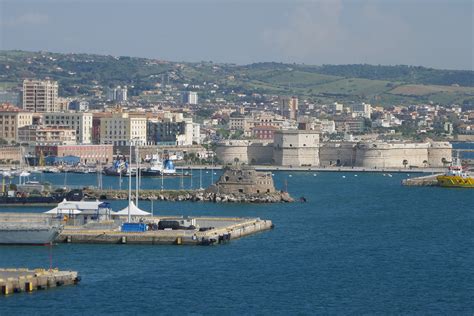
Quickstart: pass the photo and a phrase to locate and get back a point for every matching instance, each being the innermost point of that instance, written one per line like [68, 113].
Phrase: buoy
[390, 175]
[290, 176]
[273, 174]
[344, 176]
[314, 174]
[355, 175]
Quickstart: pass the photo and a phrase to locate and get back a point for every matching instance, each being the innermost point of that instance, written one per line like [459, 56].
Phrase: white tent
[134, 211]
[81, 207]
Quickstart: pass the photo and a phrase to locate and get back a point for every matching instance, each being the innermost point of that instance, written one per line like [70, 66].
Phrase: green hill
[80, 73]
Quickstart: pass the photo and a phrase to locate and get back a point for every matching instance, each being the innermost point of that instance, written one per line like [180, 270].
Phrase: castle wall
[439, 152]
[247, 152]
[385, 155]
[296, 148]
[260, 153]
[392, 155]
[337, 154]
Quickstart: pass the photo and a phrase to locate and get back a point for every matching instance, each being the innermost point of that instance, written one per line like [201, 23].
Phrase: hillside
[80, 73]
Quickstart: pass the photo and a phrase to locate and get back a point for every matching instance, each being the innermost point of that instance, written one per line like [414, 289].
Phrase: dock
[426, 181]
[24, 280]
[218, 230]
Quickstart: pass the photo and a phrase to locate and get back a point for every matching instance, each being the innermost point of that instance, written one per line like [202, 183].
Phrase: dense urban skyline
[429, 33]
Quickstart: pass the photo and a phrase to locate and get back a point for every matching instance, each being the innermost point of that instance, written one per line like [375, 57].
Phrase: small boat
[457, 176]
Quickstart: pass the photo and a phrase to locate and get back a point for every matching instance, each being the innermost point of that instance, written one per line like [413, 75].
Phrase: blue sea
[362, 244]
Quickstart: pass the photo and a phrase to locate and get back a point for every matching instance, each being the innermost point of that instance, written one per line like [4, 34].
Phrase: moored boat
[160, 168]
[28, 231]
[456, 177]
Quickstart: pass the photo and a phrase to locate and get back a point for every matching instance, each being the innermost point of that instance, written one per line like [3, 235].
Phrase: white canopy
[78, 207]
[57, 210]
[134, 211]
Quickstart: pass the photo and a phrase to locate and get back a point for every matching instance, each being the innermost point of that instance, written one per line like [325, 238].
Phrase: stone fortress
[302, 148]
[243, 180]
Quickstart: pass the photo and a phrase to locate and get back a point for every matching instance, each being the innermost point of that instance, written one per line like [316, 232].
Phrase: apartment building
[40, 96]
[119, 128]
[80, 122]
[11, 118]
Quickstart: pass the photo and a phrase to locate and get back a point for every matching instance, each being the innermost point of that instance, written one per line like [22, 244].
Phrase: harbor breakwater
[189, 195]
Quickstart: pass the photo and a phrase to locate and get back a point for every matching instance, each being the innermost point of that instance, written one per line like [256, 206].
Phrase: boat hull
[28, 236]
[449, 181]
[153, 173]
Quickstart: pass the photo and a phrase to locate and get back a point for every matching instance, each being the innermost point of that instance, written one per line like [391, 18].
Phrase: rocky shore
[190, 195]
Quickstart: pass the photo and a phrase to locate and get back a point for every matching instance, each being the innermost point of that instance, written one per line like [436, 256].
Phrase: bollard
[29, 287]
[124, 240]
[69, 239]
[5, 290]
[179, 241]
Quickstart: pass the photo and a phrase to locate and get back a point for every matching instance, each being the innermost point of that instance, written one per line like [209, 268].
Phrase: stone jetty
[24, 280]
[190, 195]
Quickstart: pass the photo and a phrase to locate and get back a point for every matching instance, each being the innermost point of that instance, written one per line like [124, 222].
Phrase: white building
[80, 122]
[361, 110]
[197, 133]
[40, 95]
[118, 94]
[190, 97]
[328, 126]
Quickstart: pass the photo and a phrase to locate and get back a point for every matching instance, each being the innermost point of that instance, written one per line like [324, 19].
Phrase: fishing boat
[120, 167]
[159, 168]
[28, 231]
[456, 177]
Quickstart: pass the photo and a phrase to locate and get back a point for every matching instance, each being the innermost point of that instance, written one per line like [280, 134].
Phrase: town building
[117, 94]
[10, 154]
[289, 107]
[81, 122]
[40, 96]
[190, 97]
[42, 135]
[12, 118]
[164, 133]
[361, 109]
[264, 132]
[119, 128]
[79, 106]
[88, 154]
[350, 125]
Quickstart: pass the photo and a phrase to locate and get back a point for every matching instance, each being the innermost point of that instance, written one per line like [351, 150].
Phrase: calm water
[360, 245]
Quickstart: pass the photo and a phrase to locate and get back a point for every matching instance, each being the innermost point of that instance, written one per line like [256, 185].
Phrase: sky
[432, 33]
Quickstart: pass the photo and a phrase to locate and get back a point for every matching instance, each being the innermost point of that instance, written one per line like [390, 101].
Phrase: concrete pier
[219, 230]
[24, 280]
